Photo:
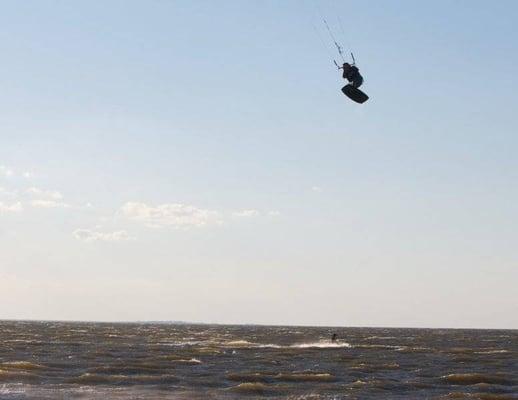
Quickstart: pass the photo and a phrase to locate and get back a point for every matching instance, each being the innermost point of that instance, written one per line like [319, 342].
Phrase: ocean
[63, 360]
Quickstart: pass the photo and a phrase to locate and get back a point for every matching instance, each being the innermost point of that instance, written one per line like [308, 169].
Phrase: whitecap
[321, 345]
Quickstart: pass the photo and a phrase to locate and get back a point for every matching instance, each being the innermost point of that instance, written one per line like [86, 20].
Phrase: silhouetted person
[334, 337]
[352, 74]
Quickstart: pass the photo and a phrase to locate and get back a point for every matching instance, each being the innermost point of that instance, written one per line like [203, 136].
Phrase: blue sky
[177, 160]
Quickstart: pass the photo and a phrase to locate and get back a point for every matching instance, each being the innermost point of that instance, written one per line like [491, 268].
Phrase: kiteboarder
[350, 71]
[352, 74]
[334, 337]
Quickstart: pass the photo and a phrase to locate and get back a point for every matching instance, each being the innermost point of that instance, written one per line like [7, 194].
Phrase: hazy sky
[181, 160]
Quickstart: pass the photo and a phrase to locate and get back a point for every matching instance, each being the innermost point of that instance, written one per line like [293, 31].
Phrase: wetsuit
[352, 74]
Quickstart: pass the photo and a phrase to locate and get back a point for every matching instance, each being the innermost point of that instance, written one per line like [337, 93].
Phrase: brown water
[57, 360]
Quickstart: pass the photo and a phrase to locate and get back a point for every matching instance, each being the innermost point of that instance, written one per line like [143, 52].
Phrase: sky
[196, 161]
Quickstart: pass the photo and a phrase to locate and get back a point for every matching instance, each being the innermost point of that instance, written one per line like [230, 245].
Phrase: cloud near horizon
[170, 214]
[246, 213]
[30, 197]
[46, 198]
[47, 194]
[49, 204]
[88, 235]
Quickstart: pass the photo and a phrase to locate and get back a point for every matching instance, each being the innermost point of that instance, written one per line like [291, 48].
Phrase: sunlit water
[55, 360]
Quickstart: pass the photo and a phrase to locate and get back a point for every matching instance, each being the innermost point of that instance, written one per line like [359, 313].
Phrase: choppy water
[56, 360]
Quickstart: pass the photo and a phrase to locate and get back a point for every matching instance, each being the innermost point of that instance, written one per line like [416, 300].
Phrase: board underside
[355, 94]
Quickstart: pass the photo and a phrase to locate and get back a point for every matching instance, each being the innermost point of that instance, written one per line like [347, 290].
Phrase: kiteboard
[355, 94]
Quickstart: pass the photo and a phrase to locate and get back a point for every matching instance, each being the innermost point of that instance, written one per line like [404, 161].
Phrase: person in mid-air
[352, 74]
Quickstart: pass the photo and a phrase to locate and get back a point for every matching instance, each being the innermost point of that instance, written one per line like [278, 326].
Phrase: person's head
[346, 66]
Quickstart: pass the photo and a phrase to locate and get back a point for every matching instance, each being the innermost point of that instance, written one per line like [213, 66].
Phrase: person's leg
[357, 82]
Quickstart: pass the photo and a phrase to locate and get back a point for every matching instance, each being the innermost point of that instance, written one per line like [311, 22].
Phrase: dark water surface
[57, 360]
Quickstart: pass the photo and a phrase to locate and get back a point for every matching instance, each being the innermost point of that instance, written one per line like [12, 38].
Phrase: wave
[251, 377]
[381, 337]
[310, 345]
[358, 384]
[268, 377]
[477, 378]
[206, 351]
[321, 345]
[92, 379]
[184, 343]
[21, 365]
[478, 396]
[378, 346]
[415, 349]
[250, 388]
[187, 361]
[17, 376]
[175, 358]
[240, 343]
[459, 350]
[305, 377]
[384, 384]
[129, 368]
[210, 345]
[25, 341]
[492, 352]
[374, 367]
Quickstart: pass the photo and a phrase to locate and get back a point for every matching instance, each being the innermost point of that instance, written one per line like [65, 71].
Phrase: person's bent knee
[357, 83]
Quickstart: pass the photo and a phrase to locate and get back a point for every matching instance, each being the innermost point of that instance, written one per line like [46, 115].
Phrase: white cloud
[46, 198]
[274, 213]
[88, 235]
[246, 213]
[49, 204]
[5, 171]
[10, 208]
[176, 215]
[317, 189]
[28, 174]
[47, 194]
